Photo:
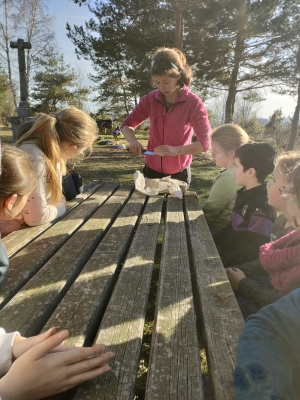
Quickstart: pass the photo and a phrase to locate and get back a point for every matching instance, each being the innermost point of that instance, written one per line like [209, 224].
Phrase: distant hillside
[263, 121]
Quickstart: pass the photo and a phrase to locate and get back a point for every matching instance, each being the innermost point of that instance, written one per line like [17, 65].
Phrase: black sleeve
[252, 268]
[256, 292]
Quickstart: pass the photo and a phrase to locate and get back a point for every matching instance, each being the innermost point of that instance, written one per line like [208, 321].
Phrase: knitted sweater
[279, 259]
[282, 261]
[173, 127]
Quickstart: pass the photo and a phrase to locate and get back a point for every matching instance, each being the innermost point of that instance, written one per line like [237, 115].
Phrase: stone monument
[24, 111]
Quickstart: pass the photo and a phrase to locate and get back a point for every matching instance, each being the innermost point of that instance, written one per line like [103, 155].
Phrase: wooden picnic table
[91, 271]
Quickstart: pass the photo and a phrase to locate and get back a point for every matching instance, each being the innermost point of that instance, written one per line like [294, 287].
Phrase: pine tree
[119, 41]
[232, 46]
[53, 83]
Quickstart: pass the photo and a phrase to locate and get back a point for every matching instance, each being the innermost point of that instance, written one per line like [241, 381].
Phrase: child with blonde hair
[38, 366]
[225, 140]
[17, 181]
[50, 143]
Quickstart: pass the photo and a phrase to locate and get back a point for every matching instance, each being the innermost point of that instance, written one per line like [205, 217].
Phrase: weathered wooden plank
[174, 370]
[221, 318]
[15, 241]
[29, 260]
[122, 326]
[52, 281]
[79, 309]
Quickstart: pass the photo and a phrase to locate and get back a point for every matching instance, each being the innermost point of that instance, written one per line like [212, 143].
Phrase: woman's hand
[235, 275]
[166, 150]
[40, 373]
[135, 147]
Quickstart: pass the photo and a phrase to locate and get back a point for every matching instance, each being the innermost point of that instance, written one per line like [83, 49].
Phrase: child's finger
[90, 363]
[39, 350]
[85, 376]
[82, 353]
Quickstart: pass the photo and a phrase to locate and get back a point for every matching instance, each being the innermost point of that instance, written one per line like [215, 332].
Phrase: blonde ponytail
[70, 125]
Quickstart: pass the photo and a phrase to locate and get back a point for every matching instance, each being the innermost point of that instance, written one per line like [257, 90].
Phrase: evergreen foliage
[119, 42]
[54, 84]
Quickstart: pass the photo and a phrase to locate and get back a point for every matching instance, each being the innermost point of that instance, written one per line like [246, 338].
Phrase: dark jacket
[250, 227]
[72, 185]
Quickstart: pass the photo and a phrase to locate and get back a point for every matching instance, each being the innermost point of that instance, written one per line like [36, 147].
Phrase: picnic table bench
[90, 272]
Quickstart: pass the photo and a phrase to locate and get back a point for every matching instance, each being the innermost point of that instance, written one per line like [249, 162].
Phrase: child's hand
[234, 276]
[40, 373]
[22, 344]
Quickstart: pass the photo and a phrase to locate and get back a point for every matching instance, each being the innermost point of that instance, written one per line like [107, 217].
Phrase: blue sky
[67, 11]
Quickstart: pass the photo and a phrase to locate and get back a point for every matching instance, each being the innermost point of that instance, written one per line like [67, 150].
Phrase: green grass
[109, 164]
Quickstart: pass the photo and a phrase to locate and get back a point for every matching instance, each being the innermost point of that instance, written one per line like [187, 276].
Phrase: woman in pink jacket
[175, 113]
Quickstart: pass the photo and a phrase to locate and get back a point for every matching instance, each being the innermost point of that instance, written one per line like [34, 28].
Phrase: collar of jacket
[256, 191]
[181, 98]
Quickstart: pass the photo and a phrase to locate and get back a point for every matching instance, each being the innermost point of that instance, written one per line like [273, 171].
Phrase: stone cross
[21, 46]
[24, 111]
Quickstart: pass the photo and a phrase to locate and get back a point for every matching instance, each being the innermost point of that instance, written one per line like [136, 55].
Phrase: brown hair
[230, 136]
[171, 62]
[17, 176]
[69, 125]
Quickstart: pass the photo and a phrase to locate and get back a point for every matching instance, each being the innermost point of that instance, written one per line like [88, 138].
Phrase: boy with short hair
[252, 217]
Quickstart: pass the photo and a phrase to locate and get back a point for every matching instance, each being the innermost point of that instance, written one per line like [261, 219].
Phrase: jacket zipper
[163, 125]
[163, 132]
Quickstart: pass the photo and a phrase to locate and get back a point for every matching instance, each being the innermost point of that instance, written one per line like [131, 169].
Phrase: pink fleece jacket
[281, 259]
[174, 127]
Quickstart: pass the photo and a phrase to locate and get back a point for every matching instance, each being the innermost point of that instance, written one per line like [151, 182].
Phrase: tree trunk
[297, 110]
[125, 101]
[179, 26]
[238, 49]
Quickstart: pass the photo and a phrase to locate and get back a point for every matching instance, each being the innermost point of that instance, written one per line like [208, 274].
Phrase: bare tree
[32, 22]
[295, 122]
[5, 55]
[28, 20]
